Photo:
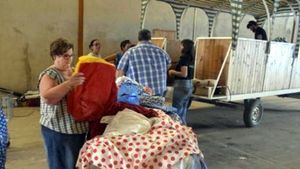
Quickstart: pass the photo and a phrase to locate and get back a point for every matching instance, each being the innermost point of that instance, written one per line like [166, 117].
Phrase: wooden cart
[231, 69]
[247, 73]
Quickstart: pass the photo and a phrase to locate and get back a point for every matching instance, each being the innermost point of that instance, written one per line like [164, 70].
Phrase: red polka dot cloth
[166, 143]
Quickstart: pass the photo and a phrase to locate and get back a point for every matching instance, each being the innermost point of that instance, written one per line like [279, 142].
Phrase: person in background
[146, 64]
[63, 136]
[259, 33]
[183, 75]
[124, 46]
[95, 47]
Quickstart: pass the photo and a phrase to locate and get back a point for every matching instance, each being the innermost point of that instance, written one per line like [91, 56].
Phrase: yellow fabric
[90, 59]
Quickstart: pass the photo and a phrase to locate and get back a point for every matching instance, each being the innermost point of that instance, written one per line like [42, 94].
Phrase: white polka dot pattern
[164, 145]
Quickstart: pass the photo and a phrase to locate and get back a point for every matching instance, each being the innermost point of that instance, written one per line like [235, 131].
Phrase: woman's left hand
[75, 80]
[171, 72]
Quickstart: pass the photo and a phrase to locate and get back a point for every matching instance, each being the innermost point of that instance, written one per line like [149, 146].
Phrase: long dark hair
[92, 42]
[188, 49]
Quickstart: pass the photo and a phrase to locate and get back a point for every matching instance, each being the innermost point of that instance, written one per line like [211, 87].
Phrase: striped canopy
[251, 7]
[237, 8]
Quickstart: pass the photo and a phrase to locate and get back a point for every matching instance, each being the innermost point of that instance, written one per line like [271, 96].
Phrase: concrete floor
[26, 150]
[224, 140]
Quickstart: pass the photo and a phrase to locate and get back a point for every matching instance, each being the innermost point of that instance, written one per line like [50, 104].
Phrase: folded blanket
[166, 143]
[128, 122]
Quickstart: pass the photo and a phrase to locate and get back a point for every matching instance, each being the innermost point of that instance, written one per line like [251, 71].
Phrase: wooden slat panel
[279, 66]
[161, 42]
[247, 66]
[210, 54]
[173, 49]
[248, 69]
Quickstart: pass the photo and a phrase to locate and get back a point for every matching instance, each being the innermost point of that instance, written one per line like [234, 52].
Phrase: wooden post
[294, 27]
[80, 27]
[268, 43]
[268, 19]
[294, 20]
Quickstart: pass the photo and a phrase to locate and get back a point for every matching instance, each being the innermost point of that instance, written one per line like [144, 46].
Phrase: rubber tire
[250, 106]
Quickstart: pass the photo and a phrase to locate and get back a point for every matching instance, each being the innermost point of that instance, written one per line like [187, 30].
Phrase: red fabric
[119, 106]
[89, 102]
[97, 97]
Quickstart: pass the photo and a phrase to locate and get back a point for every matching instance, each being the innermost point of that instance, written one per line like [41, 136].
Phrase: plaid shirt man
[147, 64]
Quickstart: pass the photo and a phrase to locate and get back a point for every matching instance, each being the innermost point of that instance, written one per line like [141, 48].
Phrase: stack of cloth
[156, 140]
[132, 140]
[97, 97]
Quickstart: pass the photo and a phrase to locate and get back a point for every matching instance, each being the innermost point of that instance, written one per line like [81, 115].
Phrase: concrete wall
[28, 27]
[111, 21]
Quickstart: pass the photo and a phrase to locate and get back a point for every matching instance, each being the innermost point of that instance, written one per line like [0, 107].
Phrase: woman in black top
[183, 75]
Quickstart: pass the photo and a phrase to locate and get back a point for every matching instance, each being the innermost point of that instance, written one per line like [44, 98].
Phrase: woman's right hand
[75, 80]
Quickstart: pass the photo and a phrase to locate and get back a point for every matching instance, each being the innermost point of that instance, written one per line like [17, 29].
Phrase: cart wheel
[253, 112]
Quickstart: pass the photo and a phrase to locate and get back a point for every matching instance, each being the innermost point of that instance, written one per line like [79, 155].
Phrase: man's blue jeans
[183, 90]
[62, 149]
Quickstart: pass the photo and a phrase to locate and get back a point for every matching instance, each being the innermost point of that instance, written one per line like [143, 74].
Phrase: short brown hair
[60, 46]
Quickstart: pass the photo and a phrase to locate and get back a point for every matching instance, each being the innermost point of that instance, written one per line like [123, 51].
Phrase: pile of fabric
[134, 141]
[130, 135]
